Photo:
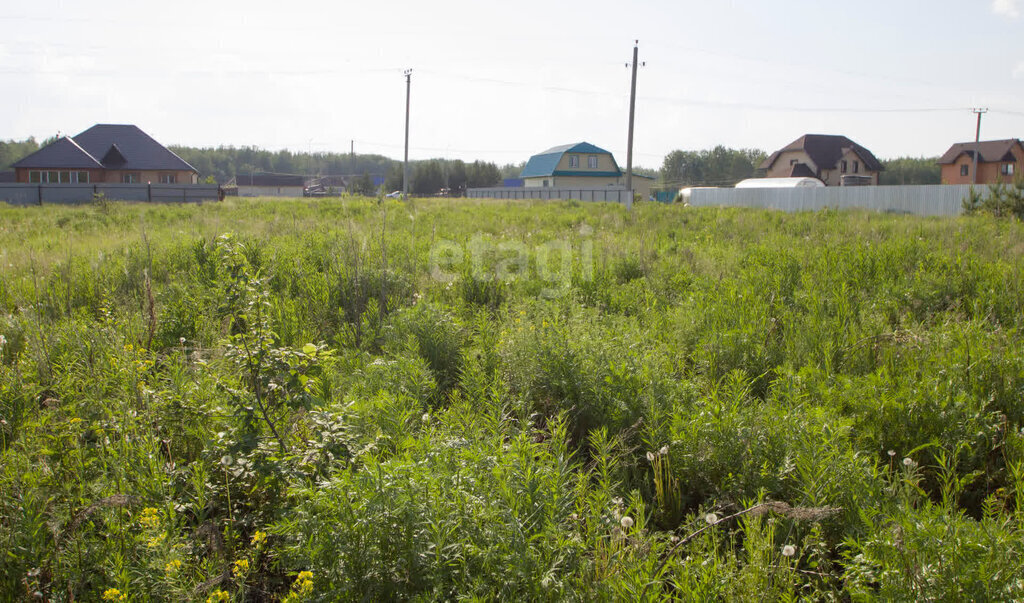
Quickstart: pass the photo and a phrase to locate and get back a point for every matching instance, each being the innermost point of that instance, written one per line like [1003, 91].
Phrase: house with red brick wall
[998, 161]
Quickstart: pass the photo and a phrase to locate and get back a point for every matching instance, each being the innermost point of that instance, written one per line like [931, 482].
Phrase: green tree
[363, 185]
[911, 170]
[481, 174]
[720, 166]
[12, 151]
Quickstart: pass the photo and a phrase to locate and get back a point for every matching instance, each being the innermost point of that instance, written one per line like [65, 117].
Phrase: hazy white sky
[500, 81]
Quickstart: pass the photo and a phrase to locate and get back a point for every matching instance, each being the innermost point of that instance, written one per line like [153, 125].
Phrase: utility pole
[629, 142]
[405, 164]
[977, 144]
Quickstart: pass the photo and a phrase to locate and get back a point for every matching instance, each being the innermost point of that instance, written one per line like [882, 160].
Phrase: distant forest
[720, 166]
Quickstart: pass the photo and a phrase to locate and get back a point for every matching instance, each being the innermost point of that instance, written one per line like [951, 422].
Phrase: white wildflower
[892, 453]
[908, 462]
[788, 550]
[711, 518]
[650, 456]
[663, 451]
[626, 522]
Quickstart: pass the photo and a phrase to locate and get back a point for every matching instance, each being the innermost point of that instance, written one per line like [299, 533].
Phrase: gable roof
[825, 150]
[988, 151]
[111, 146]
[63, 153]
[544, 164]
[802, 170]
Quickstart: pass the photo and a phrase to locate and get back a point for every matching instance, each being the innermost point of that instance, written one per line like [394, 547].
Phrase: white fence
[612, 194]
[71, 194]
[921, 200]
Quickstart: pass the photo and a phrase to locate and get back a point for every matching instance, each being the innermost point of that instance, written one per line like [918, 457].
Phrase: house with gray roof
[105, 153]
[579, 165]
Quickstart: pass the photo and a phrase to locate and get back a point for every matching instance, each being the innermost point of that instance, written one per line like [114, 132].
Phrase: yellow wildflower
[112, 594]
[241, 568]
[218, 595]
[172, 566]
[259, 537]
[150, 517]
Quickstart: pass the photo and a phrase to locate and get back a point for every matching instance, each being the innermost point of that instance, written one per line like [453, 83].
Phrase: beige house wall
[783, 165]
[604, 163]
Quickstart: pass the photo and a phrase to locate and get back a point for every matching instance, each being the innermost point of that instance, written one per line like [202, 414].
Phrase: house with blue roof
[580, 165]
[111, 153]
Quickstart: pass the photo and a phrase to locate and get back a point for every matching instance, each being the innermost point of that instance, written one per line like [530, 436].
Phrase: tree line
[720, 166]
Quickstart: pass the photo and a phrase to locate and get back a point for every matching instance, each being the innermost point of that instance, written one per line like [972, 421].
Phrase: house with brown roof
[111, 153]
[835, 160]
[998, 161]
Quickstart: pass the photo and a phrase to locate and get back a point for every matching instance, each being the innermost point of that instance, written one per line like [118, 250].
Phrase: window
[842, 166]
[130, 178]
[856, 167]
[574, 161]
[965, 170]
[168, 178]
[1006, 169]
[545, 183]
[592, 162]
[41, 177]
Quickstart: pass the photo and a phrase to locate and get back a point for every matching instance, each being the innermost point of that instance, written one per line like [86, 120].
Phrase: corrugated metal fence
[615, 195]
[921, 200]
[72, 194]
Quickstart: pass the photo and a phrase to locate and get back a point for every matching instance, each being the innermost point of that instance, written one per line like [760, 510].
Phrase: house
[106, 153]
[835, 160]
[266, 185]
[998, 161]
[326, 186]
[580, 165]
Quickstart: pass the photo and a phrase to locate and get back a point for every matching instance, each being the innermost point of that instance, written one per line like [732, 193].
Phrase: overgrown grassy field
[343, 400]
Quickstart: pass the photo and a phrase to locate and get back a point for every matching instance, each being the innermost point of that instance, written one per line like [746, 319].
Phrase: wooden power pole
[629, 141]
[405, 163]
[977, 145]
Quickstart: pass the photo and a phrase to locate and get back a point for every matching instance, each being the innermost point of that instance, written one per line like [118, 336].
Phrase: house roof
[63, 153]
[544, 164]
[111, 146]
[988, 151]
[802, 170]
[269, 180]
[825, 150]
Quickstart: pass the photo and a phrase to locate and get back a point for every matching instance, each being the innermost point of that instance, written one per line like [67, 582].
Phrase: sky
[502, 81]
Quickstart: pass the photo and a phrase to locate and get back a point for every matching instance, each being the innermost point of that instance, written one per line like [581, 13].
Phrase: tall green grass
[351, 400]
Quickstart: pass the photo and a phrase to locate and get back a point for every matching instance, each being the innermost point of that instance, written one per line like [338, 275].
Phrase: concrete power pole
[629, 142]
[977, 145]
[405, 163]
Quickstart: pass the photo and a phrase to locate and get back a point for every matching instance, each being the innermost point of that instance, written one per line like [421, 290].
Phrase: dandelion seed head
[663, 451]
[711, 518]
[908, 462]
[788, 550]
[892, 453]
[626, 522]
[650, 456]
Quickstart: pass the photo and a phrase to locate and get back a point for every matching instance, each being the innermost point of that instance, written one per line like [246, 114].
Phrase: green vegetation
[337, 401]
[719, 166]
[911, 170]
